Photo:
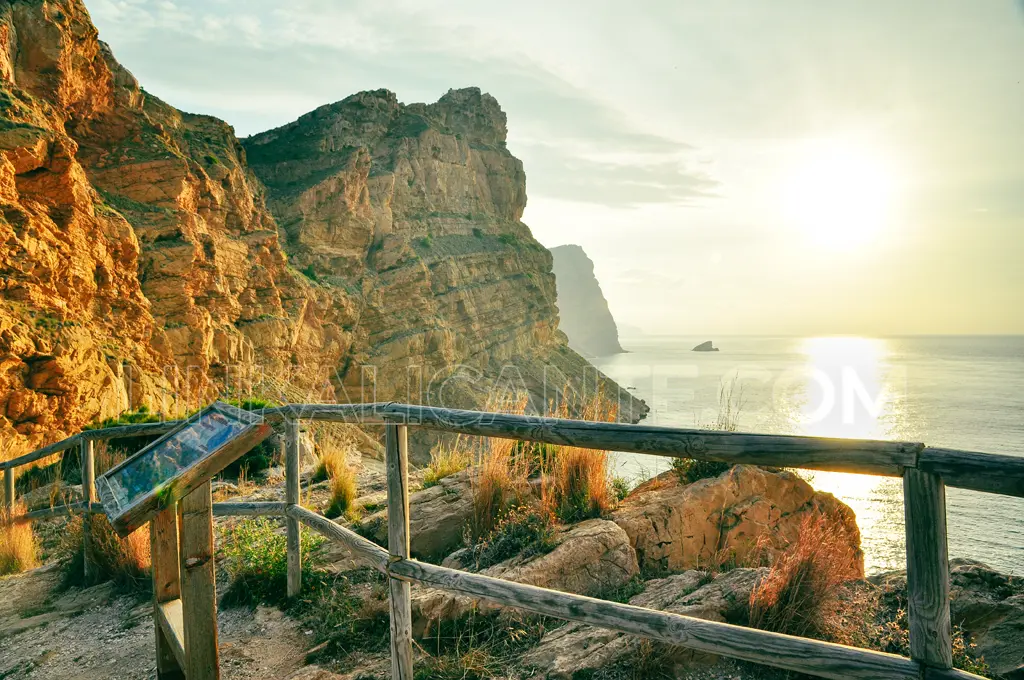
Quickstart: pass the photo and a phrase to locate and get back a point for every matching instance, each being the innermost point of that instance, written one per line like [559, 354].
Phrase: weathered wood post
[924, 505]
[9, 492]
[396, 444]
[291, 481]
[86, 459]
[198, 585]
[163, 542]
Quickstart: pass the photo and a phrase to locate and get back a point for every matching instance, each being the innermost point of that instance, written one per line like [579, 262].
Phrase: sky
[797, 168]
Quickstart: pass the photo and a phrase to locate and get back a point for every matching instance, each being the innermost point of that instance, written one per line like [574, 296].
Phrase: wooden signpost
[168, 485]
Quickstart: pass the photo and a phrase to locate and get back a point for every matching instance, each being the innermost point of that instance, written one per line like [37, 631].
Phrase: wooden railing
[926, 472]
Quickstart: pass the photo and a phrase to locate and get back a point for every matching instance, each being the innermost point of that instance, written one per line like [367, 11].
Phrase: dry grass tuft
[803, 592]
[502, 478]
[125, 561]
[577, 482]
[332, 465]
[446, 460]
[19, 550]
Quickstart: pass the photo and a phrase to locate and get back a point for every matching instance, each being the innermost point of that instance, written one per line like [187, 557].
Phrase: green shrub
[523, 531]
[620, 487]
[256, 559]
[426, 242]
[478, 232]
[509, 239]
[691, 470]
[310, 273]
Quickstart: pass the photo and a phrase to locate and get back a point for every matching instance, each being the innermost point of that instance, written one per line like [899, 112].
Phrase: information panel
[179, 461]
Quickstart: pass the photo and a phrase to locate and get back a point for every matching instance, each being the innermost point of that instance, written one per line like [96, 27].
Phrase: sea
[949, 391]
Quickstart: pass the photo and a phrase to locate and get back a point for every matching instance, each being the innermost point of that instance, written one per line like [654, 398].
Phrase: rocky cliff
[585, 317]
[140, 264]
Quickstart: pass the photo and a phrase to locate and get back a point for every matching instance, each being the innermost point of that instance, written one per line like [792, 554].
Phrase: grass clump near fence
[802, 593]
[524, 531]
[125, 561]
[256, 559]
[19, 550]
[332, 466]
[445, 461]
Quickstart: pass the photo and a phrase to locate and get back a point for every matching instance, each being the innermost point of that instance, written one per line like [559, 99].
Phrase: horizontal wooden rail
[985, 472]
[368, 551]
[248, 509]
[803, 655]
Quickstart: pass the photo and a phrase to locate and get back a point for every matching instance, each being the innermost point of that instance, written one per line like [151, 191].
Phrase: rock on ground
[987, 605]
[675, 526]
[437, 518]
[589, 558]
[571, 651]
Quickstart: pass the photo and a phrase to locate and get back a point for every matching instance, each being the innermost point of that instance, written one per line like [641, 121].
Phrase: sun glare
[840, 194]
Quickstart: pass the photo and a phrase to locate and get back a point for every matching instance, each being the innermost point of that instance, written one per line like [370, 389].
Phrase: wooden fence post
[163, 542]
[397, 451]
[198, 585]
[291, 481]
[86, 459]
[9, 492]
[924, 505]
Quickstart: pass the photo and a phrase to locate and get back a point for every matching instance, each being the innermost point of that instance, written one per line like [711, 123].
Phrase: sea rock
[437, 517]
[987, 605]
[676, 526]
[707, 346]
[589, 558]
[571, 651]
[583, 311]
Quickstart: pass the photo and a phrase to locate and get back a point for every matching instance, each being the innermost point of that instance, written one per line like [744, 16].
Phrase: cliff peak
[583, 310]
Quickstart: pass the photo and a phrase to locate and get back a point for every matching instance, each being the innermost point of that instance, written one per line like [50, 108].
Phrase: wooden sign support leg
[163, 540]
[198, 585]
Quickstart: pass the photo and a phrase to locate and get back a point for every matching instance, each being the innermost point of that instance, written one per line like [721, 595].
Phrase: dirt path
[97, 634]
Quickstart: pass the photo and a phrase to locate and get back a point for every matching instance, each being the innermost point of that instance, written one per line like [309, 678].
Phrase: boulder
[437, 517]
[674, 526]
[589, 558]
[574, 650]
[987, 605]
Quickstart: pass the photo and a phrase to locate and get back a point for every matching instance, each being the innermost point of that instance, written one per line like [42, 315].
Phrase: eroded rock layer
[139, 262]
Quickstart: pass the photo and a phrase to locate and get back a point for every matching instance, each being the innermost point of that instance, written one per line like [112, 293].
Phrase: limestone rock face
[571, 651]
[140, 264]
[677, 526]
[583, 311]
[418, 207]
[590, 557]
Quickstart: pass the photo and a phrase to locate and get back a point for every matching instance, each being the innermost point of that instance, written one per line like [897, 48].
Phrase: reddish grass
[803, 592]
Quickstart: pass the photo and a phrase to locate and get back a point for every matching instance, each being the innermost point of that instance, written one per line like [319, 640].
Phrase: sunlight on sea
[941, 391]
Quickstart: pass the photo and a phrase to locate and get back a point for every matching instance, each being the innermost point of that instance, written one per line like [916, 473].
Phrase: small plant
[330, 461]
[426, 242]
[524, 531]
[310, 273]
[19, 550]
[342, 619]
[620, 487]
[691, 470]
[256, 559]
[577, 485]
[509, 239]
[211, 159]
[478, 232]
[445, 461]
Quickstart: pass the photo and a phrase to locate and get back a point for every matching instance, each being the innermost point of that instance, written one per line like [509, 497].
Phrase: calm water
[961, 392]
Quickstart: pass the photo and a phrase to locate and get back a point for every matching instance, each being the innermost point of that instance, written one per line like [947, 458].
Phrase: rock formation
[584, 313]
[706, 346]
[678, 526]
[139, 262]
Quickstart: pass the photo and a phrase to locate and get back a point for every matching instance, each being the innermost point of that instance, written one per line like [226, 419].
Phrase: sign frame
[167, 492]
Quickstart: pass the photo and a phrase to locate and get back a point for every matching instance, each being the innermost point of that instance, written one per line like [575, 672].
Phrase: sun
[840, 194]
